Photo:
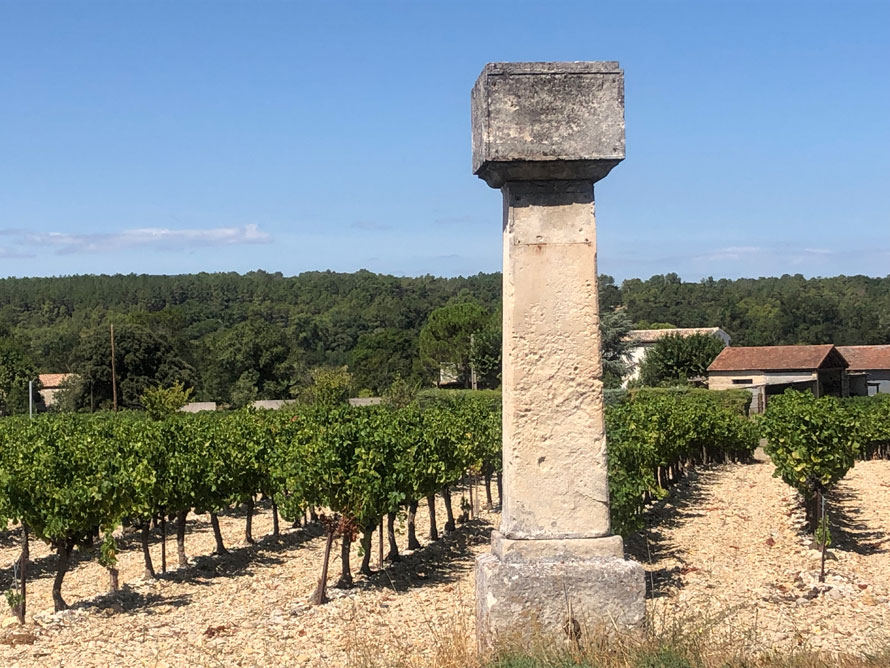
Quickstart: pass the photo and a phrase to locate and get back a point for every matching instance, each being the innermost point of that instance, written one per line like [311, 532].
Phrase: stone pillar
[544, 133]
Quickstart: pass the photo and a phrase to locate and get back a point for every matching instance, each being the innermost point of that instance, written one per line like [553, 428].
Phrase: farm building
[50, 386]
[869, 369]
[641, 340]
[769, 370]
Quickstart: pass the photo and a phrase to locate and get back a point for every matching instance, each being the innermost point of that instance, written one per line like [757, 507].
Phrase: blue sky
[171, 137]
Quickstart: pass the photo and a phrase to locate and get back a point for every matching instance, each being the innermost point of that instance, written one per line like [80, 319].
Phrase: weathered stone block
[509, 550]
[547, 121]
[555, 476]
[544, 133]
[527, 601]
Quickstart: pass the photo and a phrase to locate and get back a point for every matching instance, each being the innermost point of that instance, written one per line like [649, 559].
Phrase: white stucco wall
[634, 358]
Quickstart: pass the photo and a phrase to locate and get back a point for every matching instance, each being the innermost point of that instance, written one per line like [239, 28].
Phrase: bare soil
[725, 553]
[728, 549]
[249, 607]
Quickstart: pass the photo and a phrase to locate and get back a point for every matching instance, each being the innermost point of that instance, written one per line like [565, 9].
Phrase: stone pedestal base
[526, 592]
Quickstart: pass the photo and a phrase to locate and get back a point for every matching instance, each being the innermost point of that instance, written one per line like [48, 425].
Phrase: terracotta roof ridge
[767, 358]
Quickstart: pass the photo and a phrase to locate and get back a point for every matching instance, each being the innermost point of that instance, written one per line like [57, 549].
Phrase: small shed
[50, 386]
[365, 401]
[869, 369]
[770, 370]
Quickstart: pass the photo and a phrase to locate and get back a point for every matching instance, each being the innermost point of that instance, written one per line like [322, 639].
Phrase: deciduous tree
[16, 370]
[675, 359]
[142, 360]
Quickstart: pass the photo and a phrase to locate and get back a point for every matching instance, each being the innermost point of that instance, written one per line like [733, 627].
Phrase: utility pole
[113, 372]
[473, 382]
[20, 567]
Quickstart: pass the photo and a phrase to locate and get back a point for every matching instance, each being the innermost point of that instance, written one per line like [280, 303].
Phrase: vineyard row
[71, 480]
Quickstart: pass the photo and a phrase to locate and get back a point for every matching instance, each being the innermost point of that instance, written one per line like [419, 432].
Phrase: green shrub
[675, 359]
[160, 402]
[871, 421]
[528, 661]
[654, 434]
[737, 401]
[612, 396]
[812, 443]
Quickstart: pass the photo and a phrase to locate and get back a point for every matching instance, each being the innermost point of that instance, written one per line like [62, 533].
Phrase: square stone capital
[547, 121]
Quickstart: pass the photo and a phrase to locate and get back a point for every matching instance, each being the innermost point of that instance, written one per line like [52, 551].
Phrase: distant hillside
[256, 330]
[254, 322]
[844, 310]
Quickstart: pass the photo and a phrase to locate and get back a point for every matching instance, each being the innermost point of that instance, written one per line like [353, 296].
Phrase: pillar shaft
[544, 133]
[555, 477]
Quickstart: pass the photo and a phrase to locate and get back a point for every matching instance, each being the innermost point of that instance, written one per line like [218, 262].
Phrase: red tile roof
[866, 358]
[52, 380]
[776, 358]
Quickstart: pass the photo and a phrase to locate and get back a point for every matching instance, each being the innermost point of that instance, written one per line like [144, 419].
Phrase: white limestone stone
[544, 133]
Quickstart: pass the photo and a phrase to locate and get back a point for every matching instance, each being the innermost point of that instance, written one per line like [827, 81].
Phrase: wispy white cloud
[151, 238]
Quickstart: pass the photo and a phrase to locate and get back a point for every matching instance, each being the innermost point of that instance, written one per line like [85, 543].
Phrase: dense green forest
[844, 310]
[233, 337]
[238, 337]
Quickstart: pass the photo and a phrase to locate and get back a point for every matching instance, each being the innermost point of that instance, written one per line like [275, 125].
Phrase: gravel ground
[726, 555]
[250, 607]
[728, 552]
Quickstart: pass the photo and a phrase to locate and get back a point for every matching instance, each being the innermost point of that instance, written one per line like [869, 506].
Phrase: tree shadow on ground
[439, 562]
[10, 538]
[237, 561]
[849, 526]
[194, 524]
[240, 560]
[443, 561]
[130, 600]
[652, 546]
[131, 536]
[47, 564]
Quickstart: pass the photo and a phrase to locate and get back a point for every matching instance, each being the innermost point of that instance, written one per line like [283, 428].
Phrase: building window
[742, 381]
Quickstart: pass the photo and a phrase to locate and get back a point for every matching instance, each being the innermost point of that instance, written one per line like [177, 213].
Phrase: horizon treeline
[258, 335]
